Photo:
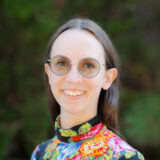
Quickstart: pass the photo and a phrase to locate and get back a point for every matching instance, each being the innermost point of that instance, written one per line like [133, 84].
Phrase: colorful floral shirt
[88, 141]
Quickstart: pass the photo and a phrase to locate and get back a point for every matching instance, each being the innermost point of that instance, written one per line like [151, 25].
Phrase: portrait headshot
[79, 80]
[81, 76]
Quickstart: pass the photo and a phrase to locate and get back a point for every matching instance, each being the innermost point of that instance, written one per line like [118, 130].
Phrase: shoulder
[40, 150]
[132, 155]
[121, 149]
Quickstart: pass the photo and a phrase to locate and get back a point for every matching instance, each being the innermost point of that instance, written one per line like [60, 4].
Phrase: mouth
[73, 94]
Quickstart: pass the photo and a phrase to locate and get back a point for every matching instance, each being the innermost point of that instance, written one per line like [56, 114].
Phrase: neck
[68, 120]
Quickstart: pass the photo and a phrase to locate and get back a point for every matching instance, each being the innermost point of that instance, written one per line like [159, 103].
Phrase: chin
[73, 109]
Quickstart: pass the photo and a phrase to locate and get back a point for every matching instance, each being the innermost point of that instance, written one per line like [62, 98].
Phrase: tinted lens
[60, 65]
[89, 67]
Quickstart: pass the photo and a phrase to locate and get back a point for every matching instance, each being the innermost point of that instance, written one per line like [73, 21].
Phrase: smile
[73, 93]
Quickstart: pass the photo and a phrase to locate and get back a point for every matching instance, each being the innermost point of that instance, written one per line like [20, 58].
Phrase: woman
[81, 72]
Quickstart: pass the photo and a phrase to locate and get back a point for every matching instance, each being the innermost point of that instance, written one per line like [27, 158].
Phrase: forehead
[77, 44]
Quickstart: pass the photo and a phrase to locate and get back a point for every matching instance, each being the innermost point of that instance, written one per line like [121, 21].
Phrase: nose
[73, 75]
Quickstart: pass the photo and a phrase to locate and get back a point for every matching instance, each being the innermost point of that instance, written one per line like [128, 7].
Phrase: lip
[73, 97]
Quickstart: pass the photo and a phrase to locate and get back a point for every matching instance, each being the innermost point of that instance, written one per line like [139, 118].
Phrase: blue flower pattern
[67, 149]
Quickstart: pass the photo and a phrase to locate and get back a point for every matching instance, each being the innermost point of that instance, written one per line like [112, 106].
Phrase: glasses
[61, 65]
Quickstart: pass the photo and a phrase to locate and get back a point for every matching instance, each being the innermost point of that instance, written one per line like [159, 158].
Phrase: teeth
[73, 93]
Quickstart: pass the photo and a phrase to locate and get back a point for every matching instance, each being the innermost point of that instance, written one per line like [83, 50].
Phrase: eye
[61, 63]
[89, 65]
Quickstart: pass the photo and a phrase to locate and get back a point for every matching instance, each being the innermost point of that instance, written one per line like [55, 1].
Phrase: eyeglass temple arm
[48, 60]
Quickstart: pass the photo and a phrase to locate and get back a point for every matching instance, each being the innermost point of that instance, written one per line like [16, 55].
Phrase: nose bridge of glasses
[74, 74]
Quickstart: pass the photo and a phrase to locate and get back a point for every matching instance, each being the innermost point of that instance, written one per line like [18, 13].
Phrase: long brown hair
[108, 100]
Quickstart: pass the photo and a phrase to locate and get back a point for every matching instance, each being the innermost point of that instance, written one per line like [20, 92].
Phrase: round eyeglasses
[61, 65]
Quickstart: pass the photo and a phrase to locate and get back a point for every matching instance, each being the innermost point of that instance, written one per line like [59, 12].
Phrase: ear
[110, 76]
[47, 71]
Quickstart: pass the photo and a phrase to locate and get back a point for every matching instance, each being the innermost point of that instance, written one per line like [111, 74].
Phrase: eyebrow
[59, 55]
[103, 64]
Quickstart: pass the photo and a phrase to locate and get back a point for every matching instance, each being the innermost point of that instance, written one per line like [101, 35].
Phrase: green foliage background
[26, 26]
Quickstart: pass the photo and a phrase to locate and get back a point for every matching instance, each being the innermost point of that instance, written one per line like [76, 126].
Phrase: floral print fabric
[88, 141]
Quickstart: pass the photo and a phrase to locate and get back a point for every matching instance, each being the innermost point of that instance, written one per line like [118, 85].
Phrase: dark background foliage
[26, 26]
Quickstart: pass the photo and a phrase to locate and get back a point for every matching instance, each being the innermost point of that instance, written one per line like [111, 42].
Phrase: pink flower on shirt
[119, 145]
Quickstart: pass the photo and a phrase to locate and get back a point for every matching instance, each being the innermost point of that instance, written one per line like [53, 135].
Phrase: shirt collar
[79, 132]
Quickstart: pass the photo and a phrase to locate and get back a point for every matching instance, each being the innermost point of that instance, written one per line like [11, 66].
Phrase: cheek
[55, 84]
[95, 85]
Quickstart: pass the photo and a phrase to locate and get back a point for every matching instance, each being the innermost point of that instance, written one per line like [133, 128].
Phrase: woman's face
[73, 92]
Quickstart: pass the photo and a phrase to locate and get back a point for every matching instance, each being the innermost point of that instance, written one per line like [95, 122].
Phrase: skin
[78, 44]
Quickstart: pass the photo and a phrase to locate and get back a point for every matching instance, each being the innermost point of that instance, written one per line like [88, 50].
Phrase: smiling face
[75, 93]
